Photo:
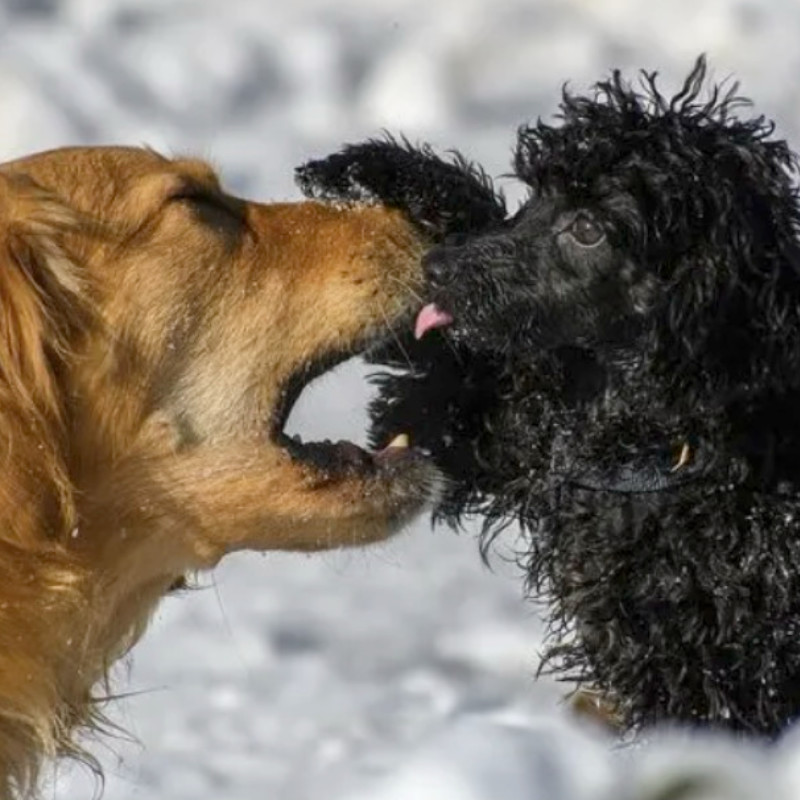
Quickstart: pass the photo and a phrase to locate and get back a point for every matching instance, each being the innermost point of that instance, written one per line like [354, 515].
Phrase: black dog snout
[439, 267]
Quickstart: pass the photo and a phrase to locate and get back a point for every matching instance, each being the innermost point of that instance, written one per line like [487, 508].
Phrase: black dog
[620, 370]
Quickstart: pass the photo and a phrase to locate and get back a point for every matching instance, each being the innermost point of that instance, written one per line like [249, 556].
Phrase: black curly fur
[642, 304]
[443, 198]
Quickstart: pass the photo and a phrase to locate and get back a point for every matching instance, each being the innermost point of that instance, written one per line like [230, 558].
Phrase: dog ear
[440, 197]
[44, 306]
[43, 300]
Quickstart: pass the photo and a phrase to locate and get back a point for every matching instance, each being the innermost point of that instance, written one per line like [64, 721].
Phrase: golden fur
[149, 323]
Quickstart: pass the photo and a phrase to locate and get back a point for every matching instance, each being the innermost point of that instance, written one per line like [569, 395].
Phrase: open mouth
[339, 458]
[393, 451]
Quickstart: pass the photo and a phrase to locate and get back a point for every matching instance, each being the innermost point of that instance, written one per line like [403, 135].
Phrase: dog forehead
[98, 180]
[70, 165]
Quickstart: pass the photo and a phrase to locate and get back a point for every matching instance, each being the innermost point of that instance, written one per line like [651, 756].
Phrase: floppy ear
[440, 197]
[43, 299]
[44, 306]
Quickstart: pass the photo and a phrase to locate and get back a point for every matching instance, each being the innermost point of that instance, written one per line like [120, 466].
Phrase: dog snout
[439, 267]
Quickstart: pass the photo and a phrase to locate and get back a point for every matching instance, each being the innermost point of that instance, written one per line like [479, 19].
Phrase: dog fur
[154, 333]
[622, 375]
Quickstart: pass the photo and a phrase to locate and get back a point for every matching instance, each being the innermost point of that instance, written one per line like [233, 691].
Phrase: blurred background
[295, 677]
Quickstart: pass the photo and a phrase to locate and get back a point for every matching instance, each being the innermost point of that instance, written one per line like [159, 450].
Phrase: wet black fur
[442, 198]
[574, 377]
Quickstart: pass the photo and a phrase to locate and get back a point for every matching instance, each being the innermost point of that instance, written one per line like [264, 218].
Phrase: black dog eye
[586, 231]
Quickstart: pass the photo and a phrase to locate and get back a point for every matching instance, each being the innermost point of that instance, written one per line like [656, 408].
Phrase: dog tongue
[431, 316]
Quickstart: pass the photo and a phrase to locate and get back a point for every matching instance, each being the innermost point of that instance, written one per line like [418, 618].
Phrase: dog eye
[209, 206]
[586, 231]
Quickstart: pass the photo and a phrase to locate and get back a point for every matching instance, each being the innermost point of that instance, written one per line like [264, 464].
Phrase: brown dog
[154, 332]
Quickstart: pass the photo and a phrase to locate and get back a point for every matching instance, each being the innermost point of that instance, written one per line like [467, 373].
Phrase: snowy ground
[405, 670]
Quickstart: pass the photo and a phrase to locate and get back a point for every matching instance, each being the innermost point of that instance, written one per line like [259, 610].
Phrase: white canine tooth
[684, 458]
[401, 440]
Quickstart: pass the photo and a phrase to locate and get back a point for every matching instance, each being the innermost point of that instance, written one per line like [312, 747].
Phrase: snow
[407, 669]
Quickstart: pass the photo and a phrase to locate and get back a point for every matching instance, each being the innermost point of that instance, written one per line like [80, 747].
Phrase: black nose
[439, 267]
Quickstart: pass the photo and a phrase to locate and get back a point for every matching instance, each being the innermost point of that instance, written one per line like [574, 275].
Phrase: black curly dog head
[621, 373]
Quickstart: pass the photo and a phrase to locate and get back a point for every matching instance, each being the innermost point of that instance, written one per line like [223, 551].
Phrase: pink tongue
[431, 316]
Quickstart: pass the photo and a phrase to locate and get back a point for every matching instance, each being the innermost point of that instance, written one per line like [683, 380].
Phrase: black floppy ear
[441, 197]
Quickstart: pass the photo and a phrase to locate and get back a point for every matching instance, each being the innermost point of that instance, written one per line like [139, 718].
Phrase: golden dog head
[155, 331]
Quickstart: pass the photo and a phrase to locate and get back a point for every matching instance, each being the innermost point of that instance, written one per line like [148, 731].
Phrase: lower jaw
[348, 459]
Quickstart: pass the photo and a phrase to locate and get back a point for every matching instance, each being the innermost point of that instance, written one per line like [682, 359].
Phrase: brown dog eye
[586, 231]
[211, 208]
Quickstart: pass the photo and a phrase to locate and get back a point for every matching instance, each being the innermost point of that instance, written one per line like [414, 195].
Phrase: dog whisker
[393, 332]
[408, 287]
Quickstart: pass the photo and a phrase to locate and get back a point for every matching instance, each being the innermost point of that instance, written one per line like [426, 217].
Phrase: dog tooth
[684, 458]
[401, 440]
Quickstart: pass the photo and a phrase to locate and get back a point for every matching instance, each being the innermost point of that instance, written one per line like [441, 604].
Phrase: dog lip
[429, 317]
[347, 458]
